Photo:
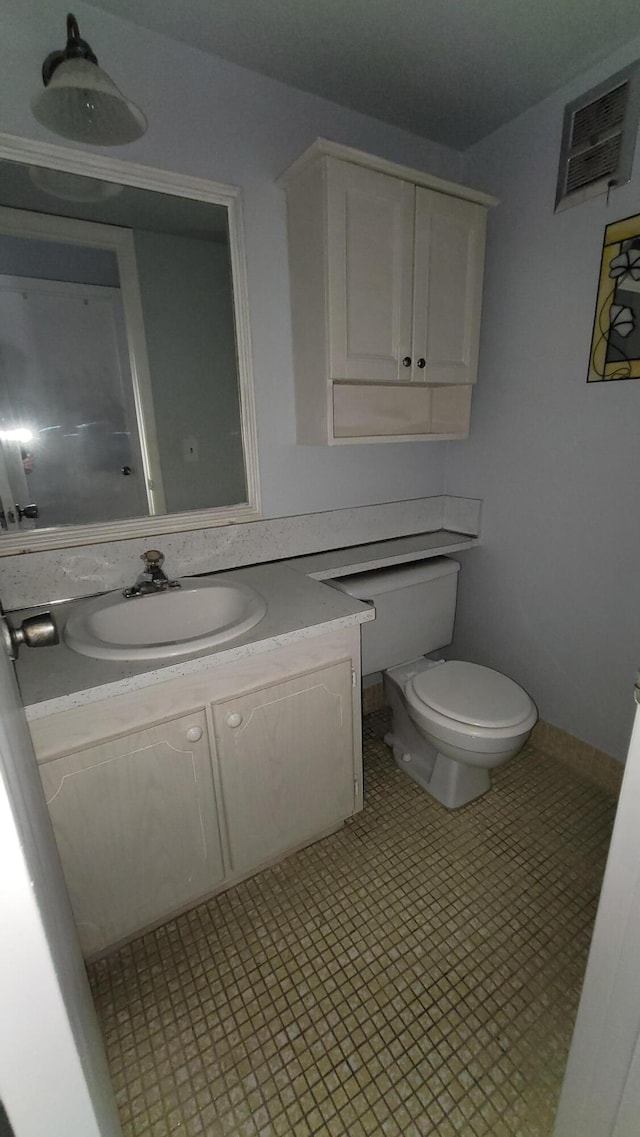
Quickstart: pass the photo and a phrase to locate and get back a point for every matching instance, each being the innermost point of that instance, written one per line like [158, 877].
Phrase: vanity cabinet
[386, 271]
[135, 823]
[153, 813]
[286, 765]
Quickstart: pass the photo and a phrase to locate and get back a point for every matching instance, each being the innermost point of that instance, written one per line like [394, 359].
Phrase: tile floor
[416, 973]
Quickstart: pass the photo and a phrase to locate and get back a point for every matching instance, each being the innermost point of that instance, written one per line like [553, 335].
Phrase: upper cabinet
[386, 290]
[369, 261]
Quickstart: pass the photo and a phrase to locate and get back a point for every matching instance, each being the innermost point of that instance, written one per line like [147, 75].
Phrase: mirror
[126, 402]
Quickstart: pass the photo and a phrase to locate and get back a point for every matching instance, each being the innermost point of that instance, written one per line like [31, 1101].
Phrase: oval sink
[162, 625]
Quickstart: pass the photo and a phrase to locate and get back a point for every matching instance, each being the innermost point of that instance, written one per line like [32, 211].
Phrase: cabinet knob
[194, 734]
[406, 362]
[422, 363]
[234, 719]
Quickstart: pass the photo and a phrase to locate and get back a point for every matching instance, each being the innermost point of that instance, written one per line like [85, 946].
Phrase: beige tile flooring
[416, 973]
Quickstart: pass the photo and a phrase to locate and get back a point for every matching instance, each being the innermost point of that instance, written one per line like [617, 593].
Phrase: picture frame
[615, 341]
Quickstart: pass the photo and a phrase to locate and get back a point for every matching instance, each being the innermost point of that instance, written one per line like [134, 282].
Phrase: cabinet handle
[234, 719]
[422, 363]
[406, 362]
[194, 734]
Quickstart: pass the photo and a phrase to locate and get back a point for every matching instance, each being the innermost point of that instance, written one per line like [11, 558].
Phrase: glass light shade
[81, 102]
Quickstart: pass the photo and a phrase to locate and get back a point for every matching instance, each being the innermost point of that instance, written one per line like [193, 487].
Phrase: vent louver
[597, 162]
[598, 138]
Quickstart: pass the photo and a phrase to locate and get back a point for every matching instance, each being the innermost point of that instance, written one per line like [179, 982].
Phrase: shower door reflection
[69, 431]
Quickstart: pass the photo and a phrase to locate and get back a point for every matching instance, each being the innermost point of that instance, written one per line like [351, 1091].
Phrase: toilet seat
[470, 698]
[449, 758]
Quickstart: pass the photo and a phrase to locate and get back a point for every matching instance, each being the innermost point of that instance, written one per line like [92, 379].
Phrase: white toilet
[452, 721]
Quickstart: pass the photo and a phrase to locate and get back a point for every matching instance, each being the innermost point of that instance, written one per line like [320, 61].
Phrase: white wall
[210, 118]
[551, 597]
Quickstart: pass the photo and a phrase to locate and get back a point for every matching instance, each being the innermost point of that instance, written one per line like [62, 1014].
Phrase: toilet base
[448, 781]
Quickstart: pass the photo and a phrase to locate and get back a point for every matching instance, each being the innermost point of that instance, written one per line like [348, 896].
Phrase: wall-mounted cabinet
[386, 272]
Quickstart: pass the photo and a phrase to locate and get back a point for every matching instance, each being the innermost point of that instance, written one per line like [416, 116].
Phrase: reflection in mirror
[119, 380]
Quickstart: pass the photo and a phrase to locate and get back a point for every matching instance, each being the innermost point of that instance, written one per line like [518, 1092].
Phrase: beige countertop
[56, 679]
[299, 605]
[382, 554]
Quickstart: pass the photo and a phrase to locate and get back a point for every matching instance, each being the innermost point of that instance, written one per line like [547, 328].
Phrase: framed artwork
[615, 344]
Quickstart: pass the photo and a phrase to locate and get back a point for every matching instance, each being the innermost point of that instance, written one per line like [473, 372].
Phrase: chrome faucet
[152, 578]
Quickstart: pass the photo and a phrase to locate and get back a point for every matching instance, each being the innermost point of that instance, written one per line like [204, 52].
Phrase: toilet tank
[415, 609]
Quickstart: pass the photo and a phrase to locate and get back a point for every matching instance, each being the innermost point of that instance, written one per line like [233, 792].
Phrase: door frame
[601, 1091]
[120, 241]
[54, 1078]
[112, 294]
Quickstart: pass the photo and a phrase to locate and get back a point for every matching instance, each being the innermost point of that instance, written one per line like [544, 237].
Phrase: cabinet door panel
[286, 763]
[134, 823]
[370, 236]
[449, 258]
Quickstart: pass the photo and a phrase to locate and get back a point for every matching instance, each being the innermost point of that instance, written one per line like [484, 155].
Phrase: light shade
[72, 187]
[81, 102]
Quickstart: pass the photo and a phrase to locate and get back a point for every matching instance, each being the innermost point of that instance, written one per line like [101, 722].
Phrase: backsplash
[29, 579]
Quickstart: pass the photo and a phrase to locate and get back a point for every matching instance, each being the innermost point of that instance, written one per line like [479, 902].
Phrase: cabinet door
[136, 827]
[370, 258]
[286, 763]
[447, 299]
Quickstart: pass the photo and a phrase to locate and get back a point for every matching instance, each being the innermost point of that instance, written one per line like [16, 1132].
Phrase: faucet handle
[152, 558]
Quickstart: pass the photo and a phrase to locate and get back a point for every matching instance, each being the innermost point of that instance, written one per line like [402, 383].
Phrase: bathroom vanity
[167, 785]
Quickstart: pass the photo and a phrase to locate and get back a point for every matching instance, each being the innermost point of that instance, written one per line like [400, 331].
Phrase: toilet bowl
[452, 723]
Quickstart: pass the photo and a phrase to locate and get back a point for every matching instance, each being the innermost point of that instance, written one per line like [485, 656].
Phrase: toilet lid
[472, 694]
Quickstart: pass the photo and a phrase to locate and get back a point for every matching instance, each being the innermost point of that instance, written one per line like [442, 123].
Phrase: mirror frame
[33, 153]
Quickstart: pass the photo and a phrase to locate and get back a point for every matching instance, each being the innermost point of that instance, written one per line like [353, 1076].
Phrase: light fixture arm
[76, 48]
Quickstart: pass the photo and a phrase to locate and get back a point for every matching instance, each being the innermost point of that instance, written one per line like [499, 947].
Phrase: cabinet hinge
[353, 677]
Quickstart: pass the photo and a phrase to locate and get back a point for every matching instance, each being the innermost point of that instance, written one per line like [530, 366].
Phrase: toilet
[452, 722]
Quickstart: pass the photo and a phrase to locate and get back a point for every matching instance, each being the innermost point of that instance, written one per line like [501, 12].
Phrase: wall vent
[598, 138]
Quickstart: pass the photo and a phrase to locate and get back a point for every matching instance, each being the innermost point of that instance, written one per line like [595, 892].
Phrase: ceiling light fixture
[80, 101]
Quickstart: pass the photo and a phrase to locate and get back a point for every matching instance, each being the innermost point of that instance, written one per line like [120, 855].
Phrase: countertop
[56, 679]
[299, 605]
[382, 554]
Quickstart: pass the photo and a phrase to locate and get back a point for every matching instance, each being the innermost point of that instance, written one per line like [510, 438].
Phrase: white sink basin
[163, 625]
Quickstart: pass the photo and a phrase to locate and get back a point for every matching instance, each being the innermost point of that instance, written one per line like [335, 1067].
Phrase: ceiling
[451, 70]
